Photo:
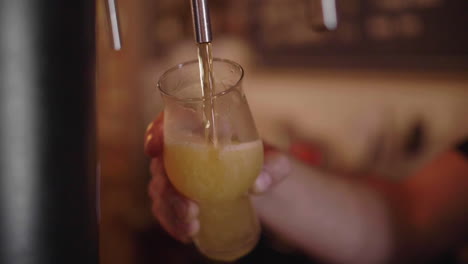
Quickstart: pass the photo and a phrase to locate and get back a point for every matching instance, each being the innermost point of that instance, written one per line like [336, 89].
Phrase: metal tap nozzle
[201, 21]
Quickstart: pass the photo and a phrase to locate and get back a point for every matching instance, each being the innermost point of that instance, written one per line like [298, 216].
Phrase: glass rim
[195, 99]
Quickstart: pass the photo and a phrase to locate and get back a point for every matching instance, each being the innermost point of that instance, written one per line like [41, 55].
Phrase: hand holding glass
[215, 175]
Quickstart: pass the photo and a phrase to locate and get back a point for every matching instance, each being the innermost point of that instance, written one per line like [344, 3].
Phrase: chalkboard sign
[371, 33]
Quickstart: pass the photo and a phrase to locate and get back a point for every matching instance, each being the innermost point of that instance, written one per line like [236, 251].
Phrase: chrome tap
[114, 24]
[322, 14]
[201, 21]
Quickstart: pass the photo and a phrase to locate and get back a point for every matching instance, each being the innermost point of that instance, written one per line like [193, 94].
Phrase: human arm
[340, 219]
[370, 219]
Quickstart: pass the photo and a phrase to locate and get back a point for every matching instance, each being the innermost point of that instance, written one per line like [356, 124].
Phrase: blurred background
[385, 53]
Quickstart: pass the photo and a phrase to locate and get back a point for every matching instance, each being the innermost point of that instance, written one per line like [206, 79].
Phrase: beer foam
[198, 142]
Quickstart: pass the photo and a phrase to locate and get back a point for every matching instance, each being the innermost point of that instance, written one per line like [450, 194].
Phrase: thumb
[276, 167]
